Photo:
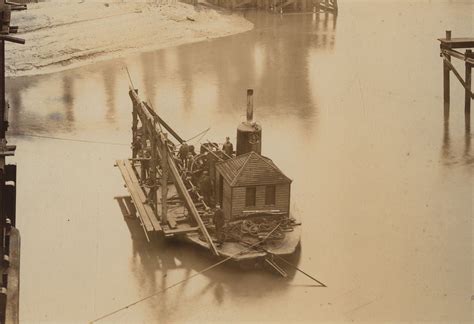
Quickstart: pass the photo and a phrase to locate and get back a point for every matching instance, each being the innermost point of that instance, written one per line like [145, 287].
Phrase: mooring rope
[182, 281]
[298, 269]
[290, 264]
[201, 133]
[69, 139]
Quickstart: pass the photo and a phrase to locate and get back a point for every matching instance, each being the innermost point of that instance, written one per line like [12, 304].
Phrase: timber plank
[149, 211]
[183, 230]
[138, 197]
[459, 42]
[135, 197]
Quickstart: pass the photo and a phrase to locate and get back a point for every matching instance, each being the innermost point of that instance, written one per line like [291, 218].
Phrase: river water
[351, 110]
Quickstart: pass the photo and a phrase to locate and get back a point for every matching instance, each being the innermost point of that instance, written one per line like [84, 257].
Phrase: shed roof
[251, 169]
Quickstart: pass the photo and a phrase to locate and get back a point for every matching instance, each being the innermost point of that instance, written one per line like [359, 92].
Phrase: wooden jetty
[450, 48]
[280, 5]
[9, 235]
[236, 203]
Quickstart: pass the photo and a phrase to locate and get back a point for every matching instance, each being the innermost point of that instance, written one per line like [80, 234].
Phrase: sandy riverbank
[63, 34]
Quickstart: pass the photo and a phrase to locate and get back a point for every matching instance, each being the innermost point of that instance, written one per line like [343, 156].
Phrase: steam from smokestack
[249, 105]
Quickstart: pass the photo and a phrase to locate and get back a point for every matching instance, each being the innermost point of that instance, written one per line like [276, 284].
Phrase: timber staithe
[449, 49]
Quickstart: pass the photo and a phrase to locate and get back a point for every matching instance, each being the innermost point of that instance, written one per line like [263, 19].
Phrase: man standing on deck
[183, 153]
[228, 148]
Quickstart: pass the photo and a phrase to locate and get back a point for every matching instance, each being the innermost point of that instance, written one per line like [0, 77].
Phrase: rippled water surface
[351, 110]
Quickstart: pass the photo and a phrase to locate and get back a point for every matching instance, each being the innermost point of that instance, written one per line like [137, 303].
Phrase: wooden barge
[236, 203]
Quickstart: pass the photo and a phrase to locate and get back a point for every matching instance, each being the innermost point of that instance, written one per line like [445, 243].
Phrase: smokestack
[249, 133]
[249, 106]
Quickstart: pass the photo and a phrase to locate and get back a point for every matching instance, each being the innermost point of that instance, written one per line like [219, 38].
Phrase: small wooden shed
[251, 183]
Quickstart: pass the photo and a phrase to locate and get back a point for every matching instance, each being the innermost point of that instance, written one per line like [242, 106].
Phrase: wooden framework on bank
[9, 235]
[449, 48]
[281, 5]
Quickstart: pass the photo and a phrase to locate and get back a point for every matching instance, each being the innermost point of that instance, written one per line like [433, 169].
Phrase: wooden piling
[450, 49]
[446, 84]
[467, 96]
[468, 80]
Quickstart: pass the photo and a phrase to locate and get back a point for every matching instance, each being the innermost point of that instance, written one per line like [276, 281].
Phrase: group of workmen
[186, 153]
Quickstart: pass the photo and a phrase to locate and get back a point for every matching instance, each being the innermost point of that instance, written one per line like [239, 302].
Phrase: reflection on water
[180, 79]
[347, 113]
[68, 100]
[449, 156]
[153, 264]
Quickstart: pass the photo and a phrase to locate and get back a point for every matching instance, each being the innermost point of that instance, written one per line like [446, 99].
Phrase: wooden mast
[160, 151]
[164, 180]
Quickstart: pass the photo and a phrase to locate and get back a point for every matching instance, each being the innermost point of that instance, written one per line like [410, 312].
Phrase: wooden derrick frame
[163, 158]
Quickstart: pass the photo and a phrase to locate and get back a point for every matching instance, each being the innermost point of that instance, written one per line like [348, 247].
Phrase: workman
[192, 150]
[219, 222]
[137, 144]
[144, 165]
[228, 148]
[205, 187]
[189, 160]
[183, 153]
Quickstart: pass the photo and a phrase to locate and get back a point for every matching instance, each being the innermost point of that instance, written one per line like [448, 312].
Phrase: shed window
[250, 196]
[270, 195]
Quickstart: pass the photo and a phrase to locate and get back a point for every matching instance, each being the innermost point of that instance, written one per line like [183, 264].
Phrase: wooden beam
[458, 55]
[460, 42]
[181, 231]
[468, 80]
[458, 76]
[164, 182]
[163, 123]
[181, 188]
[145, 211]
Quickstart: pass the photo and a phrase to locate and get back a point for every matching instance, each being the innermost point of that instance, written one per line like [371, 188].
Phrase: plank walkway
[149, 221]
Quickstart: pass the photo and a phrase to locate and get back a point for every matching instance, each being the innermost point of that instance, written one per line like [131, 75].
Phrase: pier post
[446, 85]
[467, 106]
[467, 96]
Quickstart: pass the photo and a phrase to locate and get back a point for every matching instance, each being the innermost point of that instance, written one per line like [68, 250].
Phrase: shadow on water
[155, 261]
[447, 154]
[110, 79]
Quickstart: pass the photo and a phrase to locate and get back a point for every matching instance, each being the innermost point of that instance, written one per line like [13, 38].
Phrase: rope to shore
[182, 281]
[70, 139]
[199, 273]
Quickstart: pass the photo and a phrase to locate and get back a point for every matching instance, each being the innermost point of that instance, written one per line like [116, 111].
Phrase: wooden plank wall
[282, 199]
